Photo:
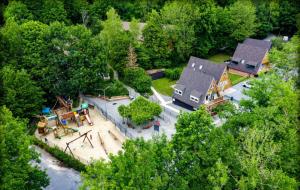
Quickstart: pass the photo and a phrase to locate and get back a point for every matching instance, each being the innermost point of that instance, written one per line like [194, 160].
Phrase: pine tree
[131, 57]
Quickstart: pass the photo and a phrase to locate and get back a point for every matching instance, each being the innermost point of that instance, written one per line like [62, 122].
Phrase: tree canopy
[140, 110]
[16, 156]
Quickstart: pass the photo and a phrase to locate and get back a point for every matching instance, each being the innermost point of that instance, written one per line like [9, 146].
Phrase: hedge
[173, 74]
[67, 159]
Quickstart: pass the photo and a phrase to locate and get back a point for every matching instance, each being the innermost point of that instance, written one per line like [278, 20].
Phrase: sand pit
[112, 139]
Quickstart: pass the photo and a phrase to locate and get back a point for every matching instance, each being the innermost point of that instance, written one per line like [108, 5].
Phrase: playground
[82, 132]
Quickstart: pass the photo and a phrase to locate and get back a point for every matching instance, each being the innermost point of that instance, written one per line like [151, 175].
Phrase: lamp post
[103, 90]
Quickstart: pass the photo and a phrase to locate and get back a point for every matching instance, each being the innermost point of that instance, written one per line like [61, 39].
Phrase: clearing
[235, 79]
[219, 58]
[163, 86]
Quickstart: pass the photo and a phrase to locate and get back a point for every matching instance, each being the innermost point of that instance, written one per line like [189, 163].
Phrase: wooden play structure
[61, 115]
[85, 135]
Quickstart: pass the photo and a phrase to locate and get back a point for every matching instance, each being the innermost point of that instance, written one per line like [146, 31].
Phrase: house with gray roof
[250, 56]
[201, 82]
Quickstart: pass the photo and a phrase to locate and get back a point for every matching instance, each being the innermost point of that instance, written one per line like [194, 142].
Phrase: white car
[247, 84]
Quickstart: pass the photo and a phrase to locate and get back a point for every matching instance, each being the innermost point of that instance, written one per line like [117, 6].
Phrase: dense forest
[63, 47]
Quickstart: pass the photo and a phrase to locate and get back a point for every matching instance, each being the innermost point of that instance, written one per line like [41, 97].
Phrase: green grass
[219, 58]
[235, 79]
[163, 86]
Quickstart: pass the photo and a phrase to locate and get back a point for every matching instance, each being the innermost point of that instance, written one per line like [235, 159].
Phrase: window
[243, 61]
[194, 99]
[250, 66]
[179, 92]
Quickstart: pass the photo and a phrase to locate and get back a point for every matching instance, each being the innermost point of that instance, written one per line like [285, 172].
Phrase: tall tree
[53, 10]
[115, 41]
[142, 165]
[20, 94]
[16, 156]
[17, 11]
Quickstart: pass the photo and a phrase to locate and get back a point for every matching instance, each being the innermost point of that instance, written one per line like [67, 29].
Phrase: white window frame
[179, 92]
[194, 99]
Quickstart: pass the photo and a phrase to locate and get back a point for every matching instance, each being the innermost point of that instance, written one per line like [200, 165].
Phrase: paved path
[163, 102]
[61, 178]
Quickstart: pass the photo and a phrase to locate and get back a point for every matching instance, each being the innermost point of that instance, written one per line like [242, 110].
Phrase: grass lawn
[235, 79]
[219, 58]
[163, 86]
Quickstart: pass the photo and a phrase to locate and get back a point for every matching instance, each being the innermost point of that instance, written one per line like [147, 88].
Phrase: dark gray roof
[197, 81]
[252, 55]
[180, 87]
[258, 43]
[207, 67]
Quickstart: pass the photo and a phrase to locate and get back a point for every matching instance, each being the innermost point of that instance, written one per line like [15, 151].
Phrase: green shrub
[67, 159]
[116, 88]
[173, 74]
[138, 79]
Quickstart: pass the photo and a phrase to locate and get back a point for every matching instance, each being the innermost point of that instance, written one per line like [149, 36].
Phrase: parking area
[235, 93]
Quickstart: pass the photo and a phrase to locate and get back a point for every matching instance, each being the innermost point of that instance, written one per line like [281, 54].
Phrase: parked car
[247, 84]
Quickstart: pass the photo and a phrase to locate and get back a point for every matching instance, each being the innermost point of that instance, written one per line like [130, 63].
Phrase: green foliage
[17, 11]
[173, 74]
[241, 26]
[142, 165]
[53, 10]
[16, 156]
[140, 110]
[67, 159]
[138, 79]
[225, 110]
[286, 58]
[115, 41]
[116, 88]
[20, 94]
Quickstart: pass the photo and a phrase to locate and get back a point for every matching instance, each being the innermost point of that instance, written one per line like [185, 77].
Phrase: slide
[78, 122]
[87, 117]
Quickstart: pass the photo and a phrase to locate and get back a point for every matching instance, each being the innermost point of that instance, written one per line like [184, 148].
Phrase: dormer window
[194, 99]
[179, 92]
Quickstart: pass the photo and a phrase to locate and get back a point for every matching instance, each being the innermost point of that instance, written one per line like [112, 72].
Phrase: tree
[16, 169]
[115, 41]
[53, 10]
[20, 94]
[131, 57]
[242, 25]
[257, 158]
[285, 59]
[142, 165]
[156, 42]
[225, 110]
[17, 11]
[287, 17]
[140, 110]
[202, 151]
[138, 79]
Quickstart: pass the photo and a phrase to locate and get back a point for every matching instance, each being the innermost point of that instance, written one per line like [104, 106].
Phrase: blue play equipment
[46, 110]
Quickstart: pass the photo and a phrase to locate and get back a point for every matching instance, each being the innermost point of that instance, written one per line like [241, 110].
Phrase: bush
[138, 79]
[116, 89]
[173, 74]
[140, 110]
[68, 160]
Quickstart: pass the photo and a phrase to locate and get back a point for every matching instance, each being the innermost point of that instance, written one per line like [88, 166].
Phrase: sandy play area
[110, 140]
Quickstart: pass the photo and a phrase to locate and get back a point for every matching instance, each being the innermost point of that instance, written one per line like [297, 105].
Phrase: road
[61, 178]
